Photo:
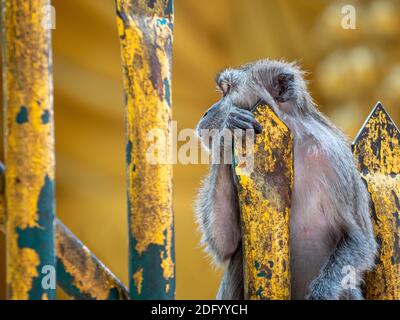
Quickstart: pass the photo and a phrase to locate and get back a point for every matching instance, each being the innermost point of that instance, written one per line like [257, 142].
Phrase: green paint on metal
[22, 115]
[108, 283]
[152, 276]
[66, 280]
[167, 91]
[128, 152]
[28, 148]
[41, 239]
[169, 8]
[45, 117]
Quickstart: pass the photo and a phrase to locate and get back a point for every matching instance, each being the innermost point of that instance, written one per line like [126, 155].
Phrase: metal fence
[37, 240]
[265, 215]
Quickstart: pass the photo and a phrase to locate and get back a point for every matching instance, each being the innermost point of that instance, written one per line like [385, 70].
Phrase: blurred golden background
[349, 71]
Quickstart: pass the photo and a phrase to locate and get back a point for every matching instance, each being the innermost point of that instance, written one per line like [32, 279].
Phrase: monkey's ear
[283, 87]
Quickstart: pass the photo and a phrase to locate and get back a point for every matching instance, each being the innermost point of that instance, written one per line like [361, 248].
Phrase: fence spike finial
[377, 150]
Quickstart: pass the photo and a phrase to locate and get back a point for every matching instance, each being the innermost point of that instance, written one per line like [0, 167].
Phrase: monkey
[330, 220]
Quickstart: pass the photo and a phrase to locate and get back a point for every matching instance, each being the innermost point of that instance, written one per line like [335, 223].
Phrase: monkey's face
[279, 84]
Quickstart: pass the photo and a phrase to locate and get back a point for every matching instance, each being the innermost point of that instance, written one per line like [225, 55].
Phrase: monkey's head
[281, 85]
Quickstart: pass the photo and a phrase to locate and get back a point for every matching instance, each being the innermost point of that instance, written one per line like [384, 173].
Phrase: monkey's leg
[355, 250]
[218, 213]
[231, 287]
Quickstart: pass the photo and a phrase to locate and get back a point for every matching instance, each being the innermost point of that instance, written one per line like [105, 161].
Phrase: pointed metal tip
[378, 107]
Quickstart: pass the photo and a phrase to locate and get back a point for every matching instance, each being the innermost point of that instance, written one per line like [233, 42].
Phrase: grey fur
[330, 223]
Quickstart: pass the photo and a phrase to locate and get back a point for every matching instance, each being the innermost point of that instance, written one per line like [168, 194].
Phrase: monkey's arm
[217, 203]
[353, 253]
[218, 213]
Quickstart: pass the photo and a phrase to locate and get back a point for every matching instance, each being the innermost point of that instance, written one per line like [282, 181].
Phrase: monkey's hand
[243, 119]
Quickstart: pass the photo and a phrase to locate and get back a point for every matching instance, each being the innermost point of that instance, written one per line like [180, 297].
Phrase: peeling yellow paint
[29, 144]
[384, 282]
[167, 263]
[377, 149]
[138, 278]
[88, 274]
[265, 210]
[146, 38]
[20, 282]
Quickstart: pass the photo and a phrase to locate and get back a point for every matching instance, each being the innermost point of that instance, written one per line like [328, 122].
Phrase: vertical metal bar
[145, 30]
[29, 148]
[265, 201]
[377, 149]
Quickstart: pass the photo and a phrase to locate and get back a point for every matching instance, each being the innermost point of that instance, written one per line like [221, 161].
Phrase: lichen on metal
[264, 197]
[29, 147]
[81, 274]
[145, 30]
[377, 149]
[105, 286]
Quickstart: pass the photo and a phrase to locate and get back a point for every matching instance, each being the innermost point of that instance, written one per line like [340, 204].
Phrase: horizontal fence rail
[145, 31]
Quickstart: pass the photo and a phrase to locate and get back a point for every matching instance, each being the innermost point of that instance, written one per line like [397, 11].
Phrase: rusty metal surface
[377, 149]
[79, 273]
[264, 197]
[29, 147]
[145, 31]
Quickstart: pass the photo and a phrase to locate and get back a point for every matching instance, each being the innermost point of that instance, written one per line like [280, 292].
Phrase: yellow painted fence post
[377, 149]
[264, 197]
[145, 30]
[29, 149]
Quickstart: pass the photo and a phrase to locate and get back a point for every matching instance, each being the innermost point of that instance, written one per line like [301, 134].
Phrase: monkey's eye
[223, 87]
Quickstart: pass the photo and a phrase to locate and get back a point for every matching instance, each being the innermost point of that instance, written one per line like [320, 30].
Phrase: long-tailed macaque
[330, 223]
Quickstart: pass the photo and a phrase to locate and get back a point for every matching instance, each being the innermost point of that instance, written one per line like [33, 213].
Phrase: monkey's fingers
[247, 117]
[237, 123]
